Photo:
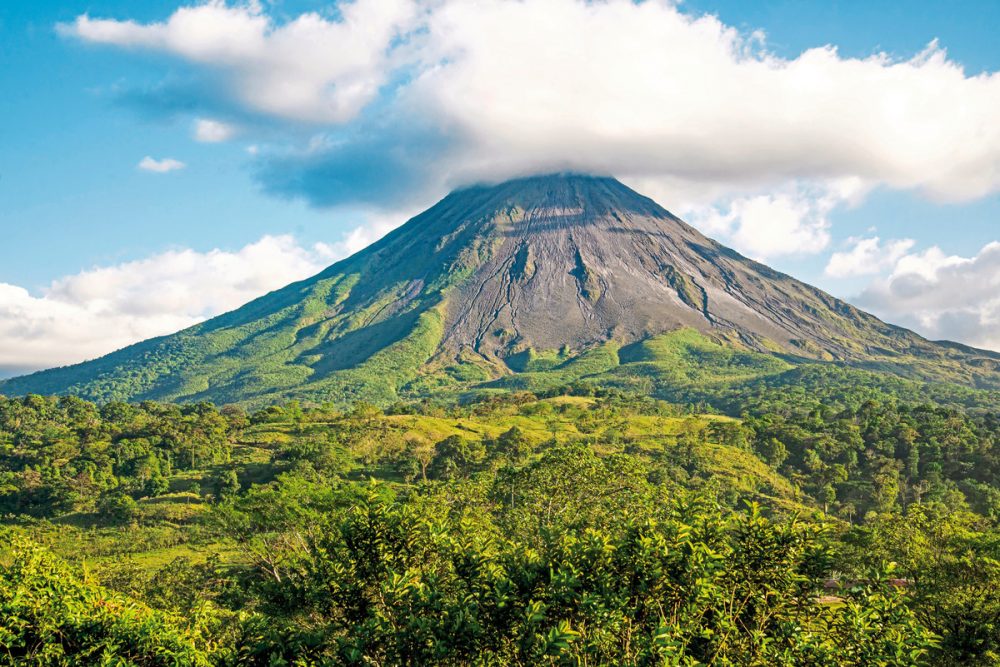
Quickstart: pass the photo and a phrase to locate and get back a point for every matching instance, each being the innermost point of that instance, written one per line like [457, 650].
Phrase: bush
[49, 617]
[118, 508]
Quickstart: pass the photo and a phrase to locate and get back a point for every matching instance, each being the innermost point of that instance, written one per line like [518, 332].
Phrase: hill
[530, 283]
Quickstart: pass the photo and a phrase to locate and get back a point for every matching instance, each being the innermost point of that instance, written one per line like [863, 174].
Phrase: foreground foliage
[48, 616]
[389, 582]
[573, 529]
[393, 584]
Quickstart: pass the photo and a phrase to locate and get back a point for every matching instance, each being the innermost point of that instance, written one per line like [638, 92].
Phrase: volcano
[530, 276]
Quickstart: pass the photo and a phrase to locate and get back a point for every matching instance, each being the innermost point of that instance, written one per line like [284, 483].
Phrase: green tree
[118, 508]
[226, 484]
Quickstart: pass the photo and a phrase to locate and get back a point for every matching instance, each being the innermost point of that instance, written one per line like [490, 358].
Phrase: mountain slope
[562, 274]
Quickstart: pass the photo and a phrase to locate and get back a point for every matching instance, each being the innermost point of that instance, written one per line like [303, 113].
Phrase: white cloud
[788, 222]
[943, 296]
[160, 166]
[310, 68]
[94, 312]
[643, 89]
[211, 131]
[756, 148]
[375, 227]
[613, 86]
[868, 256]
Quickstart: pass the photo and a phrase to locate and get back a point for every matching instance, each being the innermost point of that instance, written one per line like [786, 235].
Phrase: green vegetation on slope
[685, 366]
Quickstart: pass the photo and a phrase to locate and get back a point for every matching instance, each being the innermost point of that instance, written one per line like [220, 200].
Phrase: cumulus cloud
[163, 166]
[211, 131]
[310, 68]
[637, 89]
[404, 99]
[768, 225]
[867, 256]
[943, 296]
[634, 88]
[94, 312]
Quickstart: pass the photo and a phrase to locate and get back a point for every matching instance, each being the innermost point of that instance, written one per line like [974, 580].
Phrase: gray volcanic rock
[579, 260]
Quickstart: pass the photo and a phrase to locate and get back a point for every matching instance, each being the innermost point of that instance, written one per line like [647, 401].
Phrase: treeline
[64, 454]
[885, 456]
[60, 455]
[811, 386]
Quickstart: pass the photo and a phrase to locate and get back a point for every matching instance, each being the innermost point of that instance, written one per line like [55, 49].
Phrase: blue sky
[325, 145]
[72, 197]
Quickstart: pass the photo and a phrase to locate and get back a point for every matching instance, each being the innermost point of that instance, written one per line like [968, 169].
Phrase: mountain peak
[563, 181]
[550, 266]
[564, 190]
